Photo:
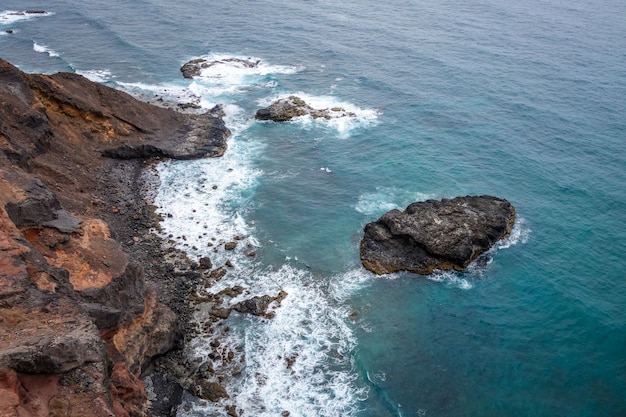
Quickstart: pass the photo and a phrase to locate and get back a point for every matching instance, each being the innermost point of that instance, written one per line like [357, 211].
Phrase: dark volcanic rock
[258, 305]
[429, 235]
[285, 109]
[194, 67]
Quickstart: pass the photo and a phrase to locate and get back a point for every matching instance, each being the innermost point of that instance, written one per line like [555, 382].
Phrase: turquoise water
[522, 101]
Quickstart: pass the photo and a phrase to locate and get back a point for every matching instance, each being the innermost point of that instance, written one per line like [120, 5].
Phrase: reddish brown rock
[78, 321]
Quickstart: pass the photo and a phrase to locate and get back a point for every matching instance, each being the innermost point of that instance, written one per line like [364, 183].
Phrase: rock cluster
[80, 319]
[285, 109]
[430, 235]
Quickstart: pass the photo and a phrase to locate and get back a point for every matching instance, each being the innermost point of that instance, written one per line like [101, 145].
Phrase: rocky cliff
[85, 303]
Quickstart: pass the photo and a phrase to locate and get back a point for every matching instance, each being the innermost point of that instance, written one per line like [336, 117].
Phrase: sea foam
[343, 126]
[98, 76]
[45, 50]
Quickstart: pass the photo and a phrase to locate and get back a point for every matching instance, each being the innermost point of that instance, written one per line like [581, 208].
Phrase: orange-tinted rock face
[64, 280]
[92, 258]
[9, 392]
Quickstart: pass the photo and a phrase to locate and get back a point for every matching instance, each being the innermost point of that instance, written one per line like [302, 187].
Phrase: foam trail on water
[224, 74]
[519, 234]
[98, 76]
[344, 126]
[388, 198]
[299, 361]
[167, 94]
[45, 50]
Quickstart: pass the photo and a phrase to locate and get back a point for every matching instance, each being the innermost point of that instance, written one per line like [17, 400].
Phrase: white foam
[227, 74]
[384, 199]
[98, 76]
[300, 360]
[232, 68]
[45, 50]
[451, 278]
[345, 285]
[519, 234]
[343, 125]
[203, 202]
[8, 17]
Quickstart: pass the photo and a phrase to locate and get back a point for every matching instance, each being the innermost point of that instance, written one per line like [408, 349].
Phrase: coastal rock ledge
[432, 234]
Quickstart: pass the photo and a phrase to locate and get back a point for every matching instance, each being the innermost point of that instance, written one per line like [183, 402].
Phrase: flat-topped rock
[430, 235]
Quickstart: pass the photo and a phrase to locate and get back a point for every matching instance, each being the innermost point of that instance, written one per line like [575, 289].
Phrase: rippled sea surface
[523, 101]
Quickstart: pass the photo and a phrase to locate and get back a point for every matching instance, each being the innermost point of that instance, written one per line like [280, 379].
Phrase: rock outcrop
[194, 67]
[430, 235]
[285, 109]
[80, 319]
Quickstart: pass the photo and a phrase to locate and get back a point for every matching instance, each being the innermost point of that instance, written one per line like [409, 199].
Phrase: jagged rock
[429, 235]
[169, 395]
[47, 342]
[210, 390]
[205, 263]
[258, 305]
[285, 109]
[151, 334]
[194, 67]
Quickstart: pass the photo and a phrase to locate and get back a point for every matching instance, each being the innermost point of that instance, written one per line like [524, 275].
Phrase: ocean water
[525, 101]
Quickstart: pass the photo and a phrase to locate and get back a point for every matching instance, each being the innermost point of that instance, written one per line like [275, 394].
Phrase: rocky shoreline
[90, 297]
[96, 309]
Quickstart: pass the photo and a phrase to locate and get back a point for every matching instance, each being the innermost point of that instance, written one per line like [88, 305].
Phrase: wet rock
[285, 109]
[230, 245]
[210, 390]
[205, 263]
[258, 305]
[429, 235]
[164, 393]
[217, 273]
[194, 67]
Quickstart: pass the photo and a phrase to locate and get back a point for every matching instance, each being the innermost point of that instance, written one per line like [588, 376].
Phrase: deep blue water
[522, 101]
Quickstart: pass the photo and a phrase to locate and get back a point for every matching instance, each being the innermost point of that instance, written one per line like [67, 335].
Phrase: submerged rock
[429, 235]
[285, 109]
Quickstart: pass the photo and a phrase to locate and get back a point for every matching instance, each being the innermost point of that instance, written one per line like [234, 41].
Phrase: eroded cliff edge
[85, 302]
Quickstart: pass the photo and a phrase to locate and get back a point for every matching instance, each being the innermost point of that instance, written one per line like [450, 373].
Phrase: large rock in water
[429, 235]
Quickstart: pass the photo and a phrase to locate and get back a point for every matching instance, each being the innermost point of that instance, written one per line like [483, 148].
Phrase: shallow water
[522, 101]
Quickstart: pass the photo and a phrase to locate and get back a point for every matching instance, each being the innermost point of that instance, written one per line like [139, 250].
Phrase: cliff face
[79, 318]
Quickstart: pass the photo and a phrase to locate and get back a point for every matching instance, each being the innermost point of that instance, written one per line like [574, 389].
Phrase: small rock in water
[230, 245]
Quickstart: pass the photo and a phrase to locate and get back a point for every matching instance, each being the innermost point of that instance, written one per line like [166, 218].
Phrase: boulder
[285, 109]
[258, 305]
[435, 235]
